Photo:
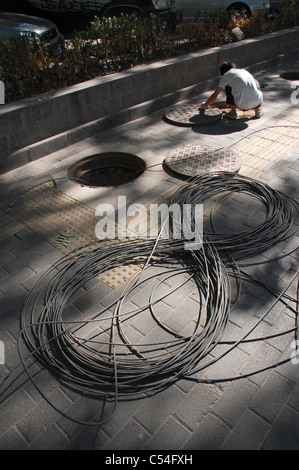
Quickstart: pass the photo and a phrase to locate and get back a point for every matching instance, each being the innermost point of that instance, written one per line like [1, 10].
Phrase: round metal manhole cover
[106, 169]
[193, 160]
[290, 76]
[192, 115]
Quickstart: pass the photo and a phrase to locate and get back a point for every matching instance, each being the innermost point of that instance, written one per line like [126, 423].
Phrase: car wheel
[117, 12]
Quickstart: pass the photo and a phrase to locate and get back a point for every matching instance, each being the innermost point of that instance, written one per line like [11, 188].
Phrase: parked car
[192, 8]
[167, 10]
[14, 25]
[275, 4]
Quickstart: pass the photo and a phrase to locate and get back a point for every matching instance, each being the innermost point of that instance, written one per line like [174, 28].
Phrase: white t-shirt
[244, 88]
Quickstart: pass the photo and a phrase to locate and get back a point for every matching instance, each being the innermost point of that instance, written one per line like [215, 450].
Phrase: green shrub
[208, 31]
[28, 68]
[288, 14]
[129, 37]
[257, 24]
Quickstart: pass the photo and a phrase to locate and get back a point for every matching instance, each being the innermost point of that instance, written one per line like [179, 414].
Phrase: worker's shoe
[232, 115]
[258, 113]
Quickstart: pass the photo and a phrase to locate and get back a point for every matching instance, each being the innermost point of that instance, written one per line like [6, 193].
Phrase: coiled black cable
[78, 361]
[58, 346]
[279, 218]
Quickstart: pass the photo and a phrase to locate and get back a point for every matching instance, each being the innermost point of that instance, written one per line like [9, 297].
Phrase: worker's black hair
[226, 66]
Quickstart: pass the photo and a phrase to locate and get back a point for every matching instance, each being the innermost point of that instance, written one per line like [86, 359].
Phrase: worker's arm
[212, 98]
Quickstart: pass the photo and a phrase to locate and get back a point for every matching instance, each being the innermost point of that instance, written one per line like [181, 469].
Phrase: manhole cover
[193, 160]
[290, 76]
[192, 115]
[106, 169]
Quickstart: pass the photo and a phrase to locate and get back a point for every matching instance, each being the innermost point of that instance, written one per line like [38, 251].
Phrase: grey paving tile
[197, 404]
[120, 415]
[91, 297]
[236, 398]
[170, 436]
[132, 437]
[157, 409]
[18, 274]
[294, 398]
[272, 397]
[289, 369]
[90, 438]
[230, 365]
[13, 440]
[31, 426]
[248, 434]
[264, 356]
[15, 408]
[210, 434]
[51, 439]
[284, 434]
[284, 323]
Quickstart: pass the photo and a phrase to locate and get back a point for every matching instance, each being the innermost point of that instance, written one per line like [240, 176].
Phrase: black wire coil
[58, 345]
[77, 360]
[278, 223]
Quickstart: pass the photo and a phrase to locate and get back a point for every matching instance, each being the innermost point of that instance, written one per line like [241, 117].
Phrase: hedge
[110, 45]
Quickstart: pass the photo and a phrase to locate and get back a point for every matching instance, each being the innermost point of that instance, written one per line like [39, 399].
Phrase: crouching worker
[242, 90]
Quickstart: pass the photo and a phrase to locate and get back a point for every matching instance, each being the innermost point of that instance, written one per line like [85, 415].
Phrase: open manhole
[106, 169]
[290, 76]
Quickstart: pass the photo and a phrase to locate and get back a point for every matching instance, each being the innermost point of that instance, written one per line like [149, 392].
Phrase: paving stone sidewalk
[39, 203]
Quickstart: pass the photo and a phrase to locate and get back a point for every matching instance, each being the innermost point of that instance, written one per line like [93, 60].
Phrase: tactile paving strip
[116, 277]
[51, 214]
[192, 115]
[63, 222]
[66, 224]
[192, 160]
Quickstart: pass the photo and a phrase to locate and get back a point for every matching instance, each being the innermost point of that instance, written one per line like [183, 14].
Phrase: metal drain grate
[192, 115]
[193, 160]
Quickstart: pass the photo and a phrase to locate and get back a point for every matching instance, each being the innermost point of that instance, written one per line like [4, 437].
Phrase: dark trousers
[229, 95]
